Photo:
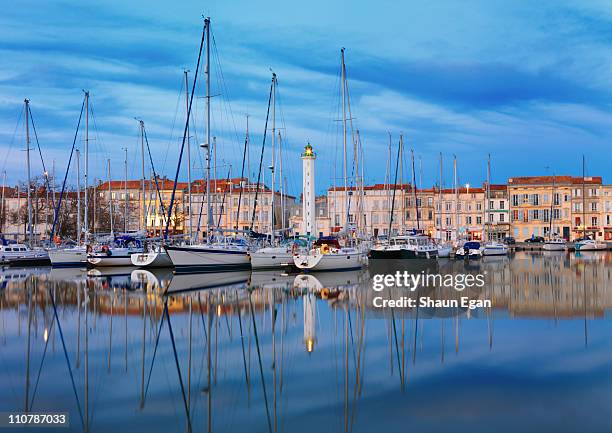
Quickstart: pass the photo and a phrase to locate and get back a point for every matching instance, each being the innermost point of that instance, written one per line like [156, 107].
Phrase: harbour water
[127, 350]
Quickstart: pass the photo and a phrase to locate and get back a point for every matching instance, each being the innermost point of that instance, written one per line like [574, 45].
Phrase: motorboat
[554, 244]
[415, 246]
[590, 245]
[494, 248]
[22, 255]
[471, 249]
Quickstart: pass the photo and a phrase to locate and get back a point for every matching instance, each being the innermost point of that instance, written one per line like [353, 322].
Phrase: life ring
[324, 249]
[324, 293]
[57, 240]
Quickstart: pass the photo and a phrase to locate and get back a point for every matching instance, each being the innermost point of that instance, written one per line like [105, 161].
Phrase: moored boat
[405, 247]
[471, 249]
[554, 244]
[590, 245]
[495, 249]
[227, 255]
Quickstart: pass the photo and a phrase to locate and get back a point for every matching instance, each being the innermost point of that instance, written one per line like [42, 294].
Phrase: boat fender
[294, 249]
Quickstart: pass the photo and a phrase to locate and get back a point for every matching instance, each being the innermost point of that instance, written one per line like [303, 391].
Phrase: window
[490, 217]
[515, 200]
[546, 215]
[557, 199]
[594, 206]
[478, 220]
[429, 201]
[448, 206]
[501, 217]
[556, 214]
[429, 215]
[478, 206]
[501, 204]
[491, 205]
[468, 220]
[594, 221]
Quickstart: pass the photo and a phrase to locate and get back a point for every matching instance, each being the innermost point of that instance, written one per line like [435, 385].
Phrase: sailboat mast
[488, 204]
[86, 215]
[272, 167]
[125, 193]
[29, 186]
[583, 200]
[440, 198]
[78, 170]
[110, 196]
[414, 188]
[456, 197]
[283, 186]
[207, 73]
[344, 149]
[552, 204]
[189, 212]
[143, 180]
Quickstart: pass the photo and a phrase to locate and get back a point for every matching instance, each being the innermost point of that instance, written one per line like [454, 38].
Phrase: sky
[528, 83]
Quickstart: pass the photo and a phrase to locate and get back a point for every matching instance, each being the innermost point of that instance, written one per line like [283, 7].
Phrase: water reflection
[130, 349]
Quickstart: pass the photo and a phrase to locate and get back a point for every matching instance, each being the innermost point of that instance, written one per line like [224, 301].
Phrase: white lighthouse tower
[308, 188]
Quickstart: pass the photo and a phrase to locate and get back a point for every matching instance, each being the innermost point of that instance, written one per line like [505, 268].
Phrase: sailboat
[327, 254]
[117, 252]
[218, 252]
[492, 247]
[75, 256]
[153, 255]
[25, 254]
[554, 242]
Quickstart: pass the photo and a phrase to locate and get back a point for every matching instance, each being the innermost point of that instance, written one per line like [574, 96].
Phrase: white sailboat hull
[69, 257]
[154, 259]
[271, 257]
[591, 246]
[204, 258]
[335, 261]
[115, 257]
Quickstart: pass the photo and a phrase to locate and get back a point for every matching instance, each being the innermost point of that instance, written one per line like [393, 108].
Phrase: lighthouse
[308, 190]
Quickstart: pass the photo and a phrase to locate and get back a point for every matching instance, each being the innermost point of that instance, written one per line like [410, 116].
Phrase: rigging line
[263, 145]
[261, 373]
[59, 328]
[399, 366]
[178, 165]
[42, 160]
[171, 140]
[399, 148]
[224, 85]
[161, 323]
[244, 154]
[12, 139]
[159, 195]
[178, 366]
[229, 172]
[59, 204]
[42, 361]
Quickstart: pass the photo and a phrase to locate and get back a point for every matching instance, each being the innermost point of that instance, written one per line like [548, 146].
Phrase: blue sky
[529, 83]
